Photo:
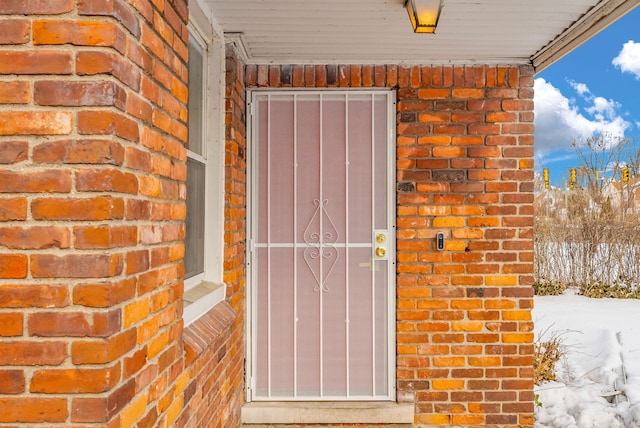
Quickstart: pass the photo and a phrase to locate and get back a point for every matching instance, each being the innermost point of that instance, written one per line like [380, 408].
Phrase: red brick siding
[464, 168]
[92, 130]
[235, 182]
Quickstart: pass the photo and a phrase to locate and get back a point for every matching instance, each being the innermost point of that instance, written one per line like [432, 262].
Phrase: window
[196, 162]
[205, 169]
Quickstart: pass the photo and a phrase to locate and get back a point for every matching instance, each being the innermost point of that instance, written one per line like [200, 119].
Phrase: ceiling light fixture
[424, 14]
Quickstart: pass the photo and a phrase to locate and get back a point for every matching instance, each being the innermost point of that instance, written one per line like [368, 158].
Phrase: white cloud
[559, 121]
[581, 88]
[628, 60]
[603, 108]
[560, 157]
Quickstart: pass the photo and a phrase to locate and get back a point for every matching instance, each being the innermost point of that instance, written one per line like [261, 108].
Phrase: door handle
[380, 244]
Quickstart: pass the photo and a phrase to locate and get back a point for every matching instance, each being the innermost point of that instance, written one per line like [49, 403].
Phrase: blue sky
[595, 89]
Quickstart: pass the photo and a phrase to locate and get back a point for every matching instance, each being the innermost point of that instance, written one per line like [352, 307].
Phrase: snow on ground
[593, 362]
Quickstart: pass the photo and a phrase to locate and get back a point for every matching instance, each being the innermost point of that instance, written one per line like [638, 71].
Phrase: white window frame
[203, 291]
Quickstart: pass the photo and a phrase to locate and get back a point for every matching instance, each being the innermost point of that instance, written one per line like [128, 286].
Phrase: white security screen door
[321, 244]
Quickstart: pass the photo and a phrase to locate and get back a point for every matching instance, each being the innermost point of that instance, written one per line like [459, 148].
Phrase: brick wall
[92, 129]
[464, 168]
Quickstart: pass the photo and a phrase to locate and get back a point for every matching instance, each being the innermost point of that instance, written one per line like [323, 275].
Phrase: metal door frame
[251, 228]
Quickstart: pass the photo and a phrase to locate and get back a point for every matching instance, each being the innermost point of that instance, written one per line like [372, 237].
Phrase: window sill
[327, 413]
[199, 299]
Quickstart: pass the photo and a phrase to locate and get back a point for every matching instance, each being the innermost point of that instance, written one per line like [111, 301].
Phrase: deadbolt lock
[380, 238]
[381, 252]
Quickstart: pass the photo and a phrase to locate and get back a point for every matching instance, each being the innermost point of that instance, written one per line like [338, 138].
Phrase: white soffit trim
[591, 23]
[202, 13]
[239, 44]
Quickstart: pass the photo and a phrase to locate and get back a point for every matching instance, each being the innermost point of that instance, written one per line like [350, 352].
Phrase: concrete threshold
[269, 414]
[328, 426]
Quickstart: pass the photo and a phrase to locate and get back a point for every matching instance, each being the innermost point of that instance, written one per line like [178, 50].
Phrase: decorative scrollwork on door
[321, 245]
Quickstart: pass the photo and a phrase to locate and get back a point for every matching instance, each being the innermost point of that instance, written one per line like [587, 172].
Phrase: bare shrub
[600, 290]
[549, 288]
[589, 237]
[546, 354]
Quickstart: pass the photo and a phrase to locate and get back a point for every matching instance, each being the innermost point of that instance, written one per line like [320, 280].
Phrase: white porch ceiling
[378, 31]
